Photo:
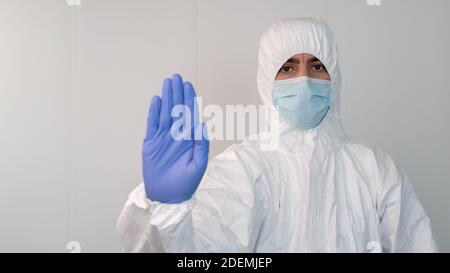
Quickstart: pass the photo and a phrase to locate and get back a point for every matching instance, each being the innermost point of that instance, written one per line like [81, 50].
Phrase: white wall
[75, 83]
[34, 126]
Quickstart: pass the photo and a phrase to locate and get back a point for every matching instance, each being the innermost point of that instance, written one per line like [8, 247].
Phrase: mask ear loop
[333, 94]
[332, 91]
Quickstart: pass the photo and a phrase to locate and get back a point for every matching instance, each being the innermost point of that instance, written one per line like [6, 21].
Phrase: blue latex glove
[172, 168]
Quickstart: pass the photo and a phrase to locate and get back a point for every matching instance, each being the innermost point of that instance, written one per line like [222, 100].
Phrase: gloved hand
[172, 168]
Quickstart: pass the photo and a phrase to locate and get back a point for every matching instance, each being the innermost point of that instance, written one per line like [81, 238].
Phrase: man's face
[303, 65]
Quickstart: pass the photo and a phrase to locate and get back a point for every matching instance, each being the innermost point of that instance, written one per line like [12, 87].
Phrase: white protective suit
[320, 191]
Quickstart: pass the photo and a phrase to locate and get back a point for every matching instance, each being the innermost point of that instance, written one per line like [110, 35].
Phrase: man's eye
[286, 69]
[318, 67]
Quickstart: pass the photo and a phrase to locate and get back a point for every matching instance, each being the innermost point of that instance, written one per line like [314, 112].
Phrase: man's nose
[303, 71]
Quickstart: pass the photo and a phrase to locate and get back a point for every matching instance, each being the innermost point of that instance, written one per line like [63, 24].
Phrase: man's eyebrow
[296, 61]
[293, 60]
[313, 60]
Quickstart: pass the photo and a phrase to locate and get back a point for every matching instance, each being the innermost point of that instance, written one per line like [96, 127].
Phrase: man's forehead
[303, 57]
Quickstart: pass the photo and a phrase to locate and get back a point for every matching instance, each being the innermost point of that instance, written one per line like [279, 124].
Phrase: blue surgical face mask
[303, 101]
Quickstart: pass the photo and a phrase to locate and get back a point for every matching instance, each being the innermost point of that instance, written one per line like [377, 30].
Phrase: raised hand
[173, 167]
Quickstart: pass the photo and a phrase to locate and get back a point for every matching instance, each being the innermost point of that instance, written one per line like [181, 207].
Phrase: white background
[75, 84]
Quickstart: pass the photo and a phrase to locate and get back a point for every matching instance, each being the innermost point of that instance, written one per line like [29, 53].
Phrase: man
[319, 191]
